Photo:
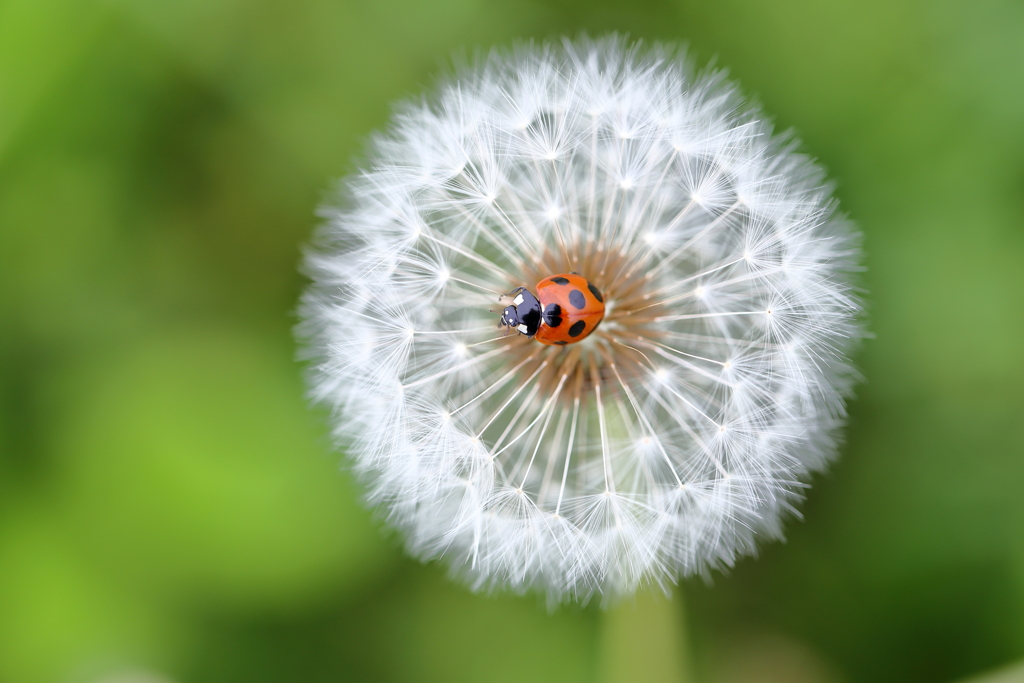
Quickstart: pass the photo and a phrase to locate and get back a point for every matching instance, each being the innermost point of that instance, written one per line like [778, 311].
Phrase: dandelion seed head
[670, 439]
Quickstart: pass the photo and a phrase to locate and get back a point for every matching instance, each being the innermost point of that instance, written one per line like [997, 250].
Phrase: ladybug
[565, 310]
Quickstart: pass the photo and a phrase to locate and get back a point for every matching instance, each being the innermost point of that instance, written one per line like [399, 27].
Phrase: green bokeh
[169, 504]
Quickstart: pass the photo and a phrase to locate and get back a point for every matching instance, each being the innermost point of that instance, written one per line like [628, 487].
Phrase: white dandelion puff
[684, 428]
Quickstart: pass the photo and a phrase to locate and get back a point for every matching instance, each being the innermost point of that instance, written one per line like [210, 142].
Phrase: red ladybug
[565, 310]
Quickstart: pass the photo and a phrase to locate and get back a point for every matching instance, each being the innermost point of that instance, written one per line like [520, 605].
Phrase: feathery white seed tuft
[678, 432]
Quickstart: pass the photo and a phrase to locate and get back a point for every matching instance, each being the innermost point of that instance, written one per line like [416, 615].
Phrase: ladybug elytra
[565, 309]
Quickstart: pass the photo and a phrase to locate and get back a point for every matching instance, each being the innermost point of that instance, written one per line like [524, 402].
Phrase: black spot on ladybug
[577, 328]
[560, 280]
[561, 343]
[553, 315]
[596, 292]
[577, 299]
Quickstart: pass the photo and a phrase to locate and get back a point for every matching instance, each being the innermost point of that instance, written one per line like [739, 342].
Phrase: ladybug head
[510, 316]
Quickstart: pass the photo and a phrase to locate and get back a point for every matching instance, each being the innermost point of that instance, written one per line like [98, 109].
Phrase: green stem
[645, 639]
[1010, 674]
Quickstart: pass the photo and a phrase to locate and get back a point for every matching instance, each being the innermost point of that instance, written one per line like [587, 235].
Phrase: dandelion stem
[1010, 674]
[645, 640]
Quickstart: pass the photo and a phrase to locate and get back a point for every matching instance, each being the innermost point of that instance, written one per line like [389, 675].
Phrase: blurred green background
[170, 506]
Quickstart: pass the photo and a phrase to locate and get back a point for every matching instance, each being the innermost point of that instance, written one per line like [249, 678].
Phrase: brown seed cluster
[614, 352]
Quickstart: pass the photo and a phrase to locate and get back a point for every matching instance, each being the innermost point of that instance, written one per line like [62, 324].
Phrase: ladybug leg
[511, 296]
[517, 295]
[517, 290]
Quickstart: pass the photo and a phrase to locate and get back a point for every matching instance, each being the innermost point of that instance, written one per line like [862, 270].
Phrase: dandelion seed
[675, 435]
